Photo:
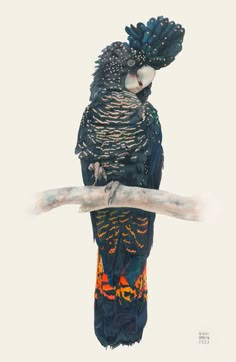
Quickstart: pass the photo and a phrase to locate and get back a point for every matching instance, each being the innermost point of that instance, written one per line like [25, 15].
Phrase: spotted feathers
[159, 41]
[121, 132]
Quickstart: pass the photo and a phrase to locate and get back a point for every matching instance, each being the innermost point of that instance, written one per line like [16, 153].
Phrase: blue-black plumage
[120, 139]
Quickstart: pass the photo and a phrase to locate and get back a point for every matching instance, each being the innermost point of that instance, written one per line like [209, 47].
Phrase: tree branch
[90, 198]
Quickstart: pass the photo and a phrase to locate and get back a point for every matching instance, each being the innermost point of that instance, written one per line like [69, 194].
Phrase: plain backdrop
[48, 262]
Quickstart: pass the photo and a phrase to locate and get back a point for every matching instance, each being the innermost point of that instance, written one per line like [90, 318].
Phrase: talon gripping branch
[119, 139]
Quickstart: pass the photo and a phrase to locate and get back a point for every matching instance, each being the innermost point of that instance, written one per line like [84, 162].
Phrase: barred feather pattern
[121, 283]
[124, 135]
[121, 131]
[125, 225]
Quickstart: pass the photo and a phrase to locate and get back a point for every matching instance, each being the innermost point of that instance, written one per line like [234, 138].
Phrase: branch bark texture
[90, 198]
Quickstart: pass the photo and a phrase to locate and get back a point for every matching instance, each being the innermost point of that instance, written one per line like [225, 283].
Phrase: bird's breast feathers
[117, 124]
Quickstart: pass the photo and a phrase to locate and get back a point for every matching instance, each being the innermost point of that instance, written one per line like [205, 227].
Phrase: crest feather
[160, 40]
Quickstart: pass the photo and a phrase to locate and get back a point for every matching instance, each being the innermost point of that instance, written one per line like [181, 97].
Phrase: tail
[120, 310]
[121, 287]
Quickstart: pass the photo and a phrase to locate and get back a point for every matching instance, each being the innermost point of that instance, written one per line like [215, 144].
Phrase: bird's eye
[131, 62]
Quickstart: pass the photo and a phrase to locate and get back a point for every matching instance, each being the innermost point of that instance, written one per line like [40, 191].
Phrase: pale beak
[137, 82]
[140, 83]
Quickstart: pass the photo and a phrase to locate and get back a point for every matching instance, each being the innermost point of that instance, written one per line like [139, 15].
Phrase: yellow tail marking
[113, 227]
[141, 232]
[113, 218]
[144, 224]
[139, 245]
[113, 212]
[101, 234]
[124, 220]
[120, 292]
[126, 241]
[100, 216]
[131, 250]
[130, 230]
[99, 223]
[104, 226]
[141, 219]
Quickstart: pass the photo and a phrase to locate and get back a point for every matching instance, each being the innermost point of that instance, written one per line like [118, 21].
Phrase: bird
[120, 142]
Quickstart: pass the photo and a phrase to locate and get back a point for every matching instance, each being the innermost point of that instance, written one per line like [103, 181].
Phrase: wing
[112, 132]
[156, 160]
[85, 147]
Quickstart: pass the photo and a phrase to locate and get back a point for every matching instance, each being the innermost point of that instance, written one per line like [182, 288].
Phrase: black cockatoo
[119, 139]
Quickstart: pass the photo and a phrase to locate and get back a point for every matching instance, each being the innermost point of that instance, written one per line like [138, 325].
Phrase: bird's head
[132, 65]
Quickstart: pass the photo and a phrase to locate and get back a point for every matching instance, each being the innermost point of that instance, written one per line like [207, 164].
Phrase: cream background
[48, 262]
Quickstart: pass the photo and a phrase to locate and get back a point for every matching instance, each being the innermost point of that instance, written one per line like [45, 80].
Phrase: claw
[91, 166]
[108, 186]
[98, 170]
[112, 188]
[103, 173]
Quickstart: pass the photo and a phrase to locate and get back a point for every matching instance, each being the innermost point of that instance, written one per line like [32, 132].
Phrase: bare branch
[90, 198]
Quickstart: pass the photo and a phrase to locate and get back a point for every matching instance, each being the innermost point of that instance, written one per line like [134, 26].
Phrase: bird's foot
[98, 171]
[111, 187]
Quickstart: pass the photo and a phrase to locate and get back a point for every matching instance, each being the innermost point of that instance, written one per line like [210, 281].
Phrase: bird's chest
[125, 151]
[122, 137]
[120, 142]
[120, 132]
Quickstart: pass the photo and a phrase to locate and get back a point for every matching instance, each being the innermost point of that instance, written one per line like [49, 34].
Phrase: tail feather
[124, 239]
[120, 310]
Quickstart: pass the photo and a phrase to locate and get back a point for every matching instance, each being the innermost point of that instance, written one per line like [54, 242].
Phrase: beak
[137, 82]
